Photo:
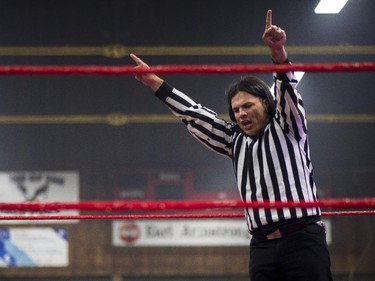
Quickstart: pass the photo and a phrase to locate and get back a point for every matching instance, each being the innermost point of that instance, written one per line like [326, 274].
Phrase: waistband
[284, 228]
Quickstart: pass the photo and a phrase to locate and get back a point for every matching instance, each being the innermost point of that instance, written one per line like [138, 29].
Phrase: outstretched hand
[149, 79]
[275, 38]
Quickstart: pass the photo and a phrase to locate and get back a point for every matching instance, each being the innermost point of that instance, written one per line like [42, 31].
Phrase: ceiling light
[330, 6]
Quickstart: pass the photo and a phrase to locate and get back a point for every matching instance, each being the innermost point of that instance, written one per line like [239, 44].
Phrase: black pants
[298, 256]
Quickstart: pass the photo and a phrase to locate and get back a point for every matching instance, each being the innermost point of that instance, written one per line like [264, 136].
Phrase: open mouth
[246, 124]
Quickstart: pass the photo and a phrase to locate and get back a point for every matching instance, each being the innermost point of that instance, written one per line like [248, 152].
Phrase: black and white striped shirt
[275, 166]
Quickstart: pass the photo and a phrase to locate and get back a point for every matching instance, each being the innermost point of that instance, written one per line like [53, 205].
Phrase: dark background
[342, 152]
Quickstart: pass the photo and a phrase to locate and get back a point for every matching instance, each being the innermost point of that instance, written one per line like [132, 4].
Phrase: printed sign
[33, 186]
[33, 247]
[219, 232]
[165, 233]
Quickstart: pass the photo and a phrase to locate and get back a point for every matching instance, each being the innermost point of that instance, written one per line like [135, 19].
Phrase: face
[250, 113]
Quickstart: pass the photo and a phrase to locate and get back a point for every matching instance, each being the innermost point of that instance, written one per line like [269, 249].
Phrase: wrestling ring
[151, 206]
[175, 210]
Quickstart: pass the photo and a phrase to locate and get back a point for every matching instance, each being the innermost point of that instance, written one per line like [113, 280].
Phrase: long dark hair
[254, 86]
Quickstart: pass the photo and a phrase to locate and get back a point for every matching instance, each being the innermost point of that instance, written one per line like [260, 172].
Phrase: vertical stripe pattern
[275, 166]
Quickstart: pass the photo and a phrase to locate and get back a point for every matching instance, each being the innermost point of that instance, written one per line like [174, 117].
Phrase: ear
[265, 103]
[267, 107]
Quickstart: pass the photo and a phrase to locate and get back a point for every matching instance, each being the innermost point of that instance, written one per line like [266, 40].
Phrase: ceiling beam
[120, 51]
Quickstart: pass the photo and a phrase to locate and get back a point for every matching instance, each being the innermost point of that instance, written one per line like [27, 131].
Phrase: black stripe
[208, 133]
[282, 112]
[244, 177]
[213, 147]
[283, 167]
[263, 180]
[238, 140]
[253, 187]
[199, 116]
[295, 173]
[179, 99]
[208, 120]
[272, 171]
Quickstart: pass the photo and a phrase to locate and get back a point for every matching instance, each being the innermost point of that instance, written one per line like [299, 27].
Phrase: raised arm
[290, 112]
[275, 38]
[202, 123]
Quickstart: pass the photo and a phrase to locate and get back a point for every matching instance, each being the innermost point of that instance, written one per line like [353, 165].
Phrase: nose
[242, 112]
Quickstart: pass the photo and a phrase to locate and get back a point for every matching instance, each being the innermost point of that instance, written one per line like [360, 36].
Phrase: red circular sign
[129, 232]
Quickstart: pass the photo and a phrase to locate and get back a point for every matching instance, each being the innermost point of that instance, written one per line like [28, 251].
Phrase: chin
[250, 134]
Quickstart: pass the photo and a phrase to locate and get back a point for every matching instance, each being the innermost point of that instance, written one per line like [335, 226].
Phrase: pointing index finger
[269, 19]
[136, 59]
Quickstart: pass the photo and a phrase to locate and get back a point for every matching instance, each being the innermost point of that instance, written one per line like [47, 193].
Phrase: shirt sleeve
[200, 121]
[290, 111]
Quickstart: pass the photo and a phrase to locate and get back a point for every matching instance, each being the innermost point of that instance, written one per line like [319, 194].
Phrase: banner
[33, 247]
[190, 233]
[38, 186]
[208, 232]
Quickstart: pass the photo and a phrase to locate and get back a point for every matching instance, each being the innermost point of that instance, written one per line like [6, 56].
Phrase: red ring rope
[191, 69]
[161, 216]
[181, 205]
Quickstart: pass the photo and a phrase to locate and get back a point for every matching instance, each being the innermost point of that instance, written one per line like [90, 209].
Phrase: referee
[268, 145]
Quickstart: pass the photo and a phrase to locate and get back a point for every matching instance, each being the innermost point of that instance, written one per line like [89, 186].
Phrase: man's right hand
[275, 38]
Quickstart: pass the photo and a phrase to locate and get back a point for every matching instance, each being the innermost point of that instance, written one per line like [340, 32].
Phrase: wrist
[279, 56]
[157, 82]
[287, 61]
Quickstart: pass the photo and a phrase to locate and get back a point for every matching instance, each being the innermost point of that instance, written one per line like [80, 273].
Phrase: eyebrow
[243, 104]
